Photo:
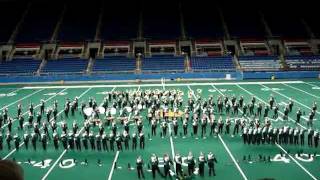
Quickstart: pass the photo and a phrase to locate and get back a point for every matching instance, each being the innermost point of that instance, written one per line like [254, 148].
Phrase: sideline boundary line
[160, 85]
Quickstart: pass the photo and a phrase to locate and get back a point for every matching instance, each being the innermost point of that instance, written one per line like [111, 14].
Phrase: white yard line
[54, 165]
[192, 92]
[6, 106]
[279, 146]
[59, 158]
[171, 142]
[160, 85]
[14, 150]
[5, 125]
[113, 165]
[312, 84]
[49, 171]
[232, 157]
[172, 148]
[288, 97]
[226, 147]
[302, 91]
[293, 159]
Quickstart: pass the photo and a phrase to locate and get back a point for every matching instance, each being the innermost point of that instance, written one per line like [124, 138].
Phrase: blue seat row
[164, 63]
[299, 62]
[259, 63]
[215, 63]
[20, 65]
[66, 65]
[114, 64]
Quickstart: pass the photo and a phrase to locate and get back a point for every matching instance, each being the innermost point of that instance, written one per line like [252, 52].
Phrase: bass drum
[113, 111]
[88, 111]
[102, 110]
[128, 109]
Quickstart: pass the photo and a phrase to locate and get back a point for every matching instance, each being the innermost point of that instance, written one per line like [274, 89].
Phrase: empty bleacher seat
[212, 63]
[298, 62]
[20, 65]
[163, 63]
[65, 65]
[259, 63]
[114, 63]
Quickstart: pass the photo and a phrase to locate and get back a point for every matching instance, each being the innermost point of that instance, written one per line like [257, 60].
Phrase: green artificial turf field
[228, 150]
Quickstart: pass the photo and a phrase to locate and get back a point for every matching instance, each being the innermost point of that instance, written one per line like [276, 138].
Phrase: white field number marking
[303, 158]
[67, 163]
[56, 94]
[271, 89]
[222, 90]
[8, 95]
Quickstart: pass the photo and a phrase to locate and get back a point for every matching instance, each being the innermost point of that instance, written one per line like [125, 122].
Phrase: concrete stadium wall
[113, 77]
[132, 77]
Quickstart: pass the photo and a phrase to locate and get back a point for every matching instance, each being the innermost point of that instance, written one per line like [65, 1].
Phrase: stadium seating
[114, 63]
[67, 65]
[20, 65]
[222, 63]
[163, 63]
[298, 62]
[259, 63]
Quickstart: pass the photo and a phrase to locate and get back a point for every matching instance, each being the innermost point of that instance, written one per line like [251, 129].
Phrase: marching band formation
[119, 123]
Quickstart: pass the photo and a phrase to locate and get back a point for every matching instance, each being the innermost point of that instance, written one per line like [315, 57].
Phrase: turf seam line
[160, 85]
[113, 165]
[288, 98]
[226, 147]
[301, 90]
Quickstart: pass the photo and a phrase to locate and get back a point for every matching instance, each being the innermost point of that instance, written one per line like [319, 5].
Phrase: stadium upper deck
[190, 37]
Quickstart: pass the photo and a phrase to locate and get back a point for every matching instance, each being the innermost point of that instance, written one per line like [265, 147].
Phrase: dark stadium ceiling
[284, 5]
